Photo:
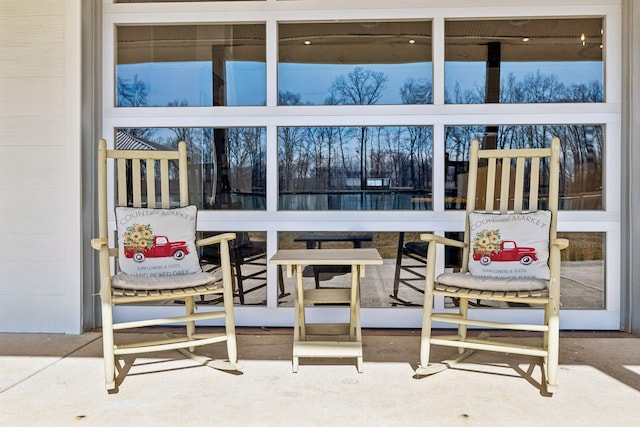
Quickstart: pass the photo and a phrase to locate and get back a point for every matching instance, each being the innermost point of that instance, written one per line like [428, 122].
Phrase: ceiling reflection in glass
[190, 65]
[355, 63]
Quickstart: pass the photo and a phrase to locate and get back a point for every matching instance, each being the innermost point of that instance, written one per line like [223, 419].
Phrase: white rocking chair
[136, 173]
[505, 185]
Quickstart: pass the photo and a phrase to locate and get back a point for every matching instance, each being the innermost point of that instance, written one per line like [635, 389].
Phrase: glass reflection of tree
[244, 154]
[331, 159]
[321, 159]
[531, 88]
[133, 93]
[581, 174]
[360, 87]
[246, 159]
[415, 153]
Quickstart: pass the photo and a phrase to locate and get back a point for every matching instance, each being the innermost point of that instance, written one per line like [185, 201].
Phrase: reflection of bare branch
[360, 87]
[322, 159]
[581, 167]
[131, 93]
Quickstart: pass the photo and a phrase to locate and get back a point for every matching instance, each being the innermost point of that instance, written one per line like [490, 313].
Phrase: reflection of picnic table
[315, 240]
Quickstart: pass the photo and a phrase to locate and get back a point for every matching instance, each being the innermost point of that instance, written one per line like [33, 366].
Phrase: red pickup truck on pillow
[509, 251]
[161, 248]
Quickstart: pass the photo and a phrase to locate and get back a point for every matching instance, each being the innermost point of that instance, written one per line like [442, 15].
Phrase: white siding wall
[40, 257]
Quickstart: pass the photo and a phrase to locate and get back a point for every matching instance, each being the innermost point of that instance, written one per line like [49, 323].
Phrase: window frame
[438, 115]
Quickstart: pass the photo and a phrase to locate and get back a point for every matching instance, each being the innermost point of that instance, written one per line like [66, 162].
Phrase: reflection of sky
[247, 83]
[190, 82]
[313, 81]
[172, 81]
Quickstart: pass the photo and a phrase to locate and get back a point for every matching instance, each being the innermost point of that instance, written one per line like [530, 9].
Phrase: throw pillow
[510, 245]
[157, 242]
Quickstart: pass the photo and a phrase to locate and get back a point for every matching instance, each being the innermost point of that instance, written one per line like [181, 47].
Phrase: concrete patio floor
[57, 380]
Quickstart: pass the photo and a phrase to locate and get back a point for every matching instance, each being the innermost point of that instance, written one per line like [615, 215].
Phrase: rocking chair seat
[131, 295]
[506, 284]
[534, 297]
[127, 281]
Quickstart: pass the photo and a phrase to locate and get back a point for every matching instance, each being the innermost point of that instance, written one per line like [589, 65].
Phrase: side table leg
[355, 329]
[295, 363]
[299, 309]
[296, 335]
[299, 332]
[353, 326]
[358, 322]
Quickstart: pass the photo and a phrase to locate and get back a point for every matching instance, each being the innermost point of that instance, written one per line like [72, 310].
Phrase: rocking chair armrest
[561, 243]
[442, 240]
[215, 239]
[99, 242]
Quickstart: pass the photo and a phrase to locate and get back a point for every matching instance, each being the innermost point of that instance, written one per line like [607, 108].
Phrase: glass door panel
[516, 61]
[190, 65]
[227, 166]
[355, 63]
[581, 162]
[355, 168]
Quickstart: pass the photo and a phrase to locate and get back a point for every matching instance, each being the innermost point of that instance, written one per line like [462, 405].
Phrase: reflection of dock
[356, 199]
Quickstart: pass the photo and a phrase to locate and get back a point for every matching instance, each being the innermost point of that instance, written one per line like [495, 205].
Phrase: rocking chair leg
[462, 329]
[464, 353]
[553, 344]
[107, 348]
[425, 340]
[191, 326]
[209, 362]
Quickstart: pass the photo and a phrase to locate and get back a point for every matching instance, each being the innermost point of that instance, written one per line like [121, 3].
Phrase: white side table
[295, 260]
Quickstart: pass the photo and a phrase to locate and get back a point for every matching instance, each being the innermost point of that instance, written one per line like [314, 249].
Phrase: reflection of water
[357, 201]
[374, 200]
[249, 201]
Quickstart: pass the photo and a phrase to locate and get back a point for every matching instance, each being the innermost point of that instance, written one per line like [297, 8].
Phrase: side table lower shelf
[332, 349]
[303, 347]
